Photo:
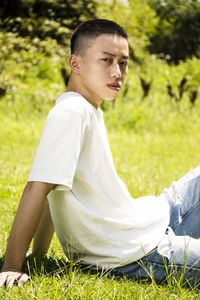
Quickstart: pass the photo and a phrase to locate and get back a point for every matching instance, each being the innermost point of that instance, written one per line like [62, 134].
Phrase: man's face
[103, 68]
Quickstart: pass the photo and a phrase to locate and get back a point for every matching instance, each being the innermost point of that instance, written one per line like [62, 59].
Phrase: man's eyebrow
[112, 54]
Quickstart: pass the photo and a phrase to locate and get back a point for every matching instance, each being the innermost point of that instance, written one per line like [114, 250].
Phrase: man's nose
[115, 71]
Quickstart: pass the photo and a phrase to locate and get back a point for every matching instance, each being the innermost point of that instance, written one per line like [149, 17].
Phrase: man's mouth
[114, 86]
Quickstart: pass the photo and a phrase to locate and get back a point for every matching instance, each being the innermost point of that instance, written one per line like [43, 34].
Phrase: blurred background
[164, 71]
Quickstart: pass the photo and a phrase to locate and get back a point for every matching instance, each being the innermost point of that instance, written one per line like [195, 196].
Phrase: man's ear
[74, 63]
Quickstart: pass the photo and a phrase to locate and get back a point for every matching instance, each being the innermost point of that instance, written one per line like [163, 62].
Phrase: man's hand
[10, 277]
[26, 221]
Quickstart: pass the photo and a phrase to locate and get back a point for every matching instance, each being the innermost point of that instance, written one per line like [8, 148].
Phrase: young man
[94, 216]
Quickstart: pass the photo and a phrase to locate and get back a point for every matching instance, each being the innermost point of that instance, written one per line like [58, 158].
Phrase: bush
[177, 34]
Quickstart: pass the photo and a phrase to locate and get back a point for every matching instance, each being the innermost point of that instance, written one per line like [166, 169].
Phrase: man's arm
[44, 232]
[26, 221]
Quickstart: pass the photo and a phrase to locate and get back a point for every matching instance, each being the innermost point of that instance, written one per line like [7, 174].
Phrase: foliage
[45, 18]
[176, 35]
[31, 69]
[135, 17]
[31, 31]
[29, 75]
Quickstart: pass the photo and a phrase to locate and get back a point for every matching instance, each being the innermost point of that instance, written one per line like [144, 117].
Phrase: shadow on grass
[43, 265]
[53, 266]
[50, 266]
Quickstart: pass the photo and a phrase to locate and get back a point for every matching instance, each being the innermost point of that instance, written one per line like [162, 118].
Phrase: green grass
[154, 141]
[147, 159]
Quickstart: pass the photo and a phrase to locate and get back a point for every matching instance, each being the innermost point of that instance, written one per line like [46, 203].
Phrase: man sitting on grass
[94, 216]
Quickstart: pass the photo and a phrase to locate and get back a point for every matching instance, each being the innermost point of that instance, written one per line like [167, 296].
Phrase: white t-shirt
[95, 217]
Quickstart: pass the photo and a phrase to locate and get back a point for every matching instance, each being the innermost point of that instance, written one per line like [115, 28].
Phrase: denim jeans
[184, 230]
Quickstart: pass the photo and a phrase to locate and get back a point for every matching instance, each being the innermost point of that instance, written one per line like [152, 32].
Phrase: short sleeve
[58, 152]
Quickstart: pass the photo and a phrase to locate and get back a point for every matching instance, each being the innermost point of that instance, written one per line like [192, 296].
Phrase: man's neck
[77, 88]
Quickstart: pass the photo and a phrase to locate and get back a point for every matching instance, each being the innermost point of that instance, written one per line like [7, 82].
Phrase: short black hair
[91, 29]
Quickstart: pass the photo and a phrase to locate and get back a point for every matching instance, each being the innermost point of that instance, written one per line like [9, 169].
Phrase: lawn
[147, 160]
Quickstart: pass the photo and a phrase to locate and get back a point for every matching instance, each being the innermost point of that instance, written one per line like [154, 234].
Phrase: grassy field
[147, 157]
[154, 140]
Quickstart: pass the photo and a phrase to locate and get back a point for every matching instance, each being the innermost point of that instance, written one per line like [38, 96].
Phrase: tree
[177, 34]
[45, 18]
[35, 35]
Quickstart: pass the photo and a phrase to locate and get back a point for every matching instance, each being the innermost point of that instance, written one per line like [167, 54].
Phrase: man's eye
[124, 63]
[106, 59]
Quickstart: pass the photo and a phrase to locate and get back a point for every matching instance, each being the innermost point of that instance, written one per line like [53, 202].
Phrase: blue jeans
[184, 259]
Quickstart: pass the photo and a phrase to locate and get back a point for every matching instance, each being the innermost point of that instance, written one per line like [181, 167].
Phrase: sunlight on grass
[146, 160]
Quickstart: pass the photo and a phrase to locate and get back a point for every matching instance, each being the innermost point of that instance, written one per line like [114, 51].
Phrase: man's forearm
[44, 232]
[24, 226]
